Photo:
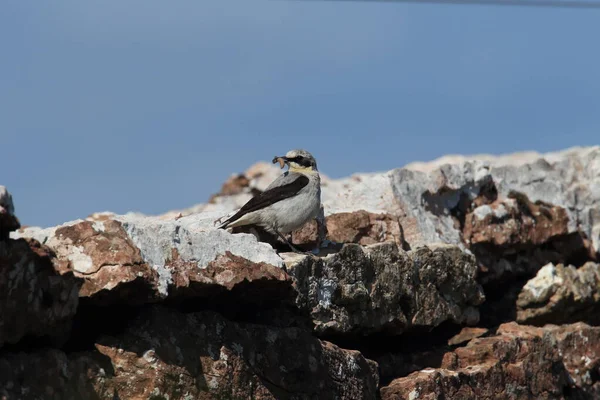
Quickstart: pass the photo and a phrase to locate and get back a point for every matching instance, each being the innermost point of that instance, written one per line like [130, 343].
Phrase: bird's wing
[284, 179]
[286, 186]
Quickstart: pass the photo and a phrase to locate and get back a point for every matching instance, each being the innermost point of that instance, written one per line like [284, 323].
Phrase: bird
[290, 201]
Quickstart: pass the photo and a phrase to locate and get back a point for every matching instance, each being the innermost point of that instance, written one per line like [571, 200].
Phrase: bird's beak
[281, 160]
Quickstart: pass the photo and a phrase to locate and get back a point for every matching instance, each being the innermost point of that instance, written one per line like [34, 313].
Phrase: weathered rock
[466, 335]
[8, 220]
[514, 214]
[514, 221]
[431, 200]
[560, 294]
[238, 278]
[360, 227]
[579, 346]
[383, 289]
[567, 179]
[166, 354]
[515, 237]
[36, 301]
[134, 259]
[519, 363]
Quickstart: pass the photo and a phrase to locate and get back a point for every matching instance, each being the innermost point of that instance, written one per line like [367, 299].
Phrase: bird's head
[298, 161]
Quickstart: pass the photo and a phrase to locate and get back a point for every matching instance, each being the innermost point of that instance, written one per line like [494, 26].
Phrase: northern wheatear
[288, 202]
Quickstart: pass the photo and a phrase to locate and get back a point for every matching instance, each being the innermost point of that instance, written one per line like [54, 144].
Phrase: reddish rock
[466, 335]
[514, 237]
[252, 282]
[167, 354]
[35, 299]
[515, 221]
[360, 227]
[103, 255]
[519, 363]
[579, 345]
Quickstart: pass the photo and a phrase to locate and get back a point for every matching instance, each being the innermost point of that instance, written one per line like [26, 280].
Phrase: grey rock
[194, 238]
[381, 288]
[561, 294]
[568, 179]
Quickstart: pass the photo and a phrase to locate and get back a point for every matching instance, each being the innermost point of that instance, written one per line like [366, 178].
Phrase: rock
[234, 276]
[568, 179]
[135, 259]
[554, 362]
[8, 220]
[560, 294]
[36, 301]
[383, 289]
[511, 222]
[47, 374]
[466, 335]
[167, 354]
[431, 201]
[488, 224]
[234, 185]
[360, 227]
[520, 362]
[514, 237]
[579, 346]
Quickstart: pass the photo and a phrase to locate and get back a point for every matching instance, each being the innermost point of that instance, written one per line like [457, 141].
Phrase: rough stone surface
[579, 346]
[360, 227]
[8, 219]
[568, 179]
[430, 199]
[518, 363]
[513, 221]
[383, 289]
[241, 279]
[515, 237]
[409, 254]
[560, 294]
[166, 354]
[466, 335]
[36, 301]
[135, 259]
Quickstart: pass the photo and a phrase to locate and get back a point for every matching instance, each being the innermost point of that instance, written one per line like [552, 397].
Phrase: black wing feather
[269, 197]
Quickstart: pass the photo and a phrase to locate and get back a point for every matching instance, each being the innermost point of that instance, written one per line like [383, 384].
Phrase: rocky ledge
[463, 278]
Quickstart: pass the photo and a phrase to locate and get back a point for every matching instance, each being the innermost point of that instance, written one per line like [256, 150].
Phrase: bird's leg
[294, 249]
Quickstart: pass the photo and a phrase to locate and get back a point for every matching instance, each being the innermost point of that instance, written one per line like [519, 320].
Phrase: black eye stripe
[305, 162]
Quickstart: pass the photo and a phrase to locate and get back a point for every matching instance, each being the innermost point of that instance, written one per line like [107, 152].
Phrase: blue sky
[150, 105]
